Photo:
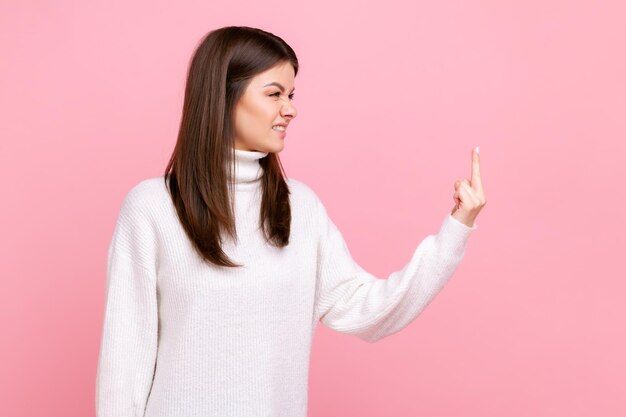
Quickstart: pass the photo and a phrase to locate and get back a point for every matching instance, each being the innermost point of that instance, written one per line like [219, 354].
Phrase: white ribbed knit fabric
[182, 338]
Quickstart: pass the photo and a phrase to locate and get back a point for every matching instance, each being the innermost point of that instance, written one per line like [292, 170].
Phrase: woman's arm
[351, 300]
[128, 348]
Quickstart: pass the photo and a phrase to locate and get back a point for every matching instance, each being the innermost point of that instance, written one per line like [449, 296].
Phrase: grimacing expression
[266, 103]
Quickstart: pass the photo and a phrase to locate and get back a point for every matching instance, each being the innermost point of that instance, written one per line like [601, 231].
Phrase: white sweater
[182, 338]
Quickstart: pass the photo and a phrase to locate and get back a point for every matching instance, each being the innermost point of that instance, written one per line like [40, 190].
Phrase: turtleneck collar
[247, 166]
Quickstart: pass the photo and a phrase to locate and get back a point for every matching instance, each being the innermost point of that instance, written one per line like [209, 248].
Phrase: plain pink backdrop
[392, 97]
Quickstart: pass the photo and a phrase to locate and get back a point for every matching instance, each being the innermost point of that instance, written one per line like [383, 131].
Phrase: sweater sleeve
[128, 347]
[353, 301]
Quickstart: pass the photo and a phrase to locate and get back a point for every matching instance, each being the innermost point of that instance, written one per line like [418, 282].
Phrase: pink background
[391, 100]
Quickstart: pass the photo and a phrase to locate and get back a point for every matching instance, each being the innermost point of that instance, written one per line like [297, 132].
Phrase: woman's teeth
[279, 128]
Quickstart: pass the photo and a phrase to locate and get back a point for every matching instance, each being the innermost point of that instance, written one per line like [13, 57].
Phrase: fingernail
[477, 149]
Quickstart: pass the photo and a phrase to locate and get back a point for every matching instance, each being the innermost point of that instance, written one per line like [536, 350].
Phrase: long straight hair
[198, 171]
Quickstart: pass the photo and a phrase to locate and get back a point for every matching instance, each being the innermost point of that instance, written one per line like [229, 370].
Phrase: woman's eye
[278, 94]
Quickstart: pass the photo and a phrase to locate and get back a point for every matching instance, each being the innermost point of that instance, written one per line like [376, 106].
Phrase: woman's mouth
[280, 130]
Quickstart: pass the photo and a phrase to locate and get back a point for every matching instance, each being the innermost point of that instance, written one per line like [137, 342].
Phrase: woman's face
[265, 103]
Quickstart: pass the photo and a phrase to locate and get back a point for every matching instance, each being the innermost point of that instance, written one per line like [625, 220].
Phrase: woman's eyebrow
[282, 89]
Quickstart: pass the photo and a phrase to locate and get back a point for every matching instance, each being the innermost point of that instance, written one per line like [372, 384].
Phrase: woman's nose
[289, 110]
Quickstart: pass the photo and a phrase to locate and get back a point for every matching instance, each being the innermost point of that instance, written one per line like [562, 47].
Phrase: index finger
[476, 180]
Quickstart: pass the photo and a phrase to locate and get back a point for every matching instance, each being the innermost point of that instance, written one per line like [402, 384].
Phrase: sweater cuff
[453, 236]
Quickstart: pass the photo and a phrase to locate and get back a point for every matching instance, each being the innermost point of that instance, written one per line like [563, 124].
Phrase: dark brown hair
[198, 170]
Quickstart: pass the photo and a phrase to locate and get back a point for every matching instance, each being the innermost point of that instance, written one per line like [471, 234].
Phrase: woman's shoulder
[148, 187]
[146, 193]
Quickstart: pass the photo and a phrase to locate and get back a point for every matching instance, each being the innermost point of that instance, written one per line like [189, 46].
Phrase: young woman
[219, 271]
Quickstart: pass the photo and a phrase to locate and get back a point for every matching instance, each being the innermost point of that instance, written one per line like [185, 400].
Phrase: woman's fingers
[469, 194]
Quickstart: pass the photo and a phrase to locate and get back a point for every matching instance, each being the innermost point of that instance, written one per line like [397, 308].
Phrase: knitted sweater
[183, 338]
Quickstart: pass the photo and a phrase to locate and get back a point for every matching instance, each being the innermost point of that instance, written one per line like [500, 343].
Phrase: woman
[219, 271]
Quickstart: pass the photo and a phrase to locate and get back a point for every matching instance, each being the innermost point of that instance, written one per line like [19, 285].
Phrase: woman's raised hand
[469, 196]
